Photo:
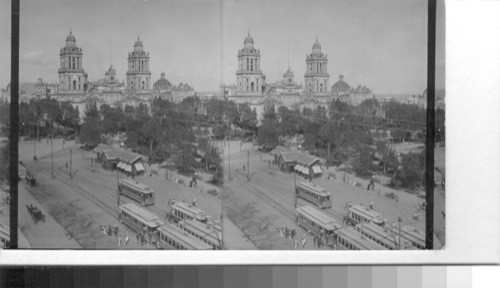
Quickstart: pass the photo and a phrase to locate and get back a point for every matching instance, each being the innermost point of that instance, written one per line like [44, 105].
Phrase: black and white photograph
[225, 125]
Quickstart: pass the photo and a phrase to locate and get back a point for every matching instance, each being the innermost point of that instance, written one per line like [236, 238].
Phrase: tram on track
[4, 237]
[318, 223]
[137, 191]
[140, 220]
[415, 236]
[183, 211]
[383, 236]
[315, 194]
[360, 214]
[173, 237]
[348, 239]
[205, 232]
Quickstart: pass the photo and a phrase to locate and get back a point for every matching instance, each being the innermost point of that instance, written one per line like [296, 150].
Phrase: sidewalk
[234, 239]
[44, 235]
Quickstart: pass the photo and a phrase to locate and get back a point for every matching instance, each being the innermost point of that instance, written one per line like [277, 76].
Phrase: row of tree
[355, 136]
[41, 117]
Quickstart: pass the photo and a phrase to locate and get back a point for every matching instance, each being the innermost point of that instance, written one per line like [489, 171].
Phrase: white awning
[127, 168]
[317, 169]
[139, 167]
[297, 167]
[119, 165]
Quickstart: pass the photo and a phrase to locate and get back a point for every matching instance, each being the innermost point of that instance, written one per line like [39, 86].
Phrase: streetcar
[182, 210]
[4, 237]
[317, 223]
[140, 220]
[315, 194]
[172, 237]
[348, 239]
[205, 232]
[137, 191]
[415, 236]
[383, 236]
[360, 214]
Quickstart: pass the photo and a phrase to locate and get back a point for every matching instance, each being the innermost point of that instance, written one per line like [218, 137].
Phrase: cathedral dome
[162, 83]
[316, 45]
[71, 37]
[138, 43]
[248, 39]
[341, 86]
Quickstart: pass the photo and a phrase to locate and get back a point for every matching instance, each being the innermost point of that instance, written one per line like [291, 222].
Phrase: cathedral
[251, 86]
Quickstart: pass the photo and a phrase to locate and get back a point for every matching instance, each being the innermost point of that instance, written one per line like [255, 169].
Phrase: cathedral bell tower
[316, 78]
[72, 77]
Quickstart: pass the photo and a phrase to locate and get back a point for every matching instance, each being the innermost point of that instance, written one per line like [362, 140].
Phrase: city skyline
[196, 42]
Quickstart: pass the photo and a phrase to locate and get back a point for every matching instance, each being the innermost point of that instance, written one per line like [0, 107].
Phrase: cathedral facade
[138, 74]
[72, 76]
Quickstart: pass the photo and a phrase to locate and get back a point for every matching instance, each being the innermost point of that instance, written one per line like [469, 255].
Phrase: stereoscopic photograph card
[226, 127]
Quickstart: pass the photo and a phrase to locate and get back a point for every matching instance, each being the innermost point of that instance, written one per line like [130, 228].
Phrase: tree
[412, 170]
[5, 162]
[363, 164]
[91, 130]
[268, 134]
[184, 160]
[248, 117]
[151, 133]
[440, 125]
[329, 133]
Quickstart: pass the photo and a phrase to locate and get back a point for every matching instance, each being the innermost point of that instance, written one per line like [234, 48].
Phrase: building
[72, 76]
[44, 90]
[162, 84]
[249, 77]
[341, 87]
[316, 78]
[138, 74]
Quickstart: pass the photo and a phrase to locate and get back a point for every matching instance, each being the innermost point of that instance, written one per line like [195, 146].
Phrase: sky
[378, 43]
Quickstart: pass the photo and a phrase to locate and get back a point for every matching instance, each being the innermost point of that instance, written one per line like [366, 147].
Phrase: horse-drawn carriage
[36, 214]
[30, 179]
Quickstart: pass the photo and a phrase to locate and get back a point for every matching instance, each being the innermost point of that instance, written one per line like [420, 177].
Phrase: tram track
[268, 200]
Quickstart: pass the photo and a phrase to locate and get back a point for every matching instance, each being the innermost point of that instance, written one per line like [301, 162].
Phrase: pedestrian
[116, 229]
[119, 240]
[303, 242]
[103, 230]
[194, 202]
[126, 240]
[371, 206]
[293, 232]
[281, 233]
[314, 241]
[296, 243]
[138, 237]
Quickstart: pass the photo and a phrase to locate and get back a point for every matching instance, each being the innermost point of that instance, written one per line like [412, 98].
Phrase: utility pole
[295, 188]
[118, 191]
[229, 153]
[248, 164]
[52, 157]
[70, 163]
[399, 240]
